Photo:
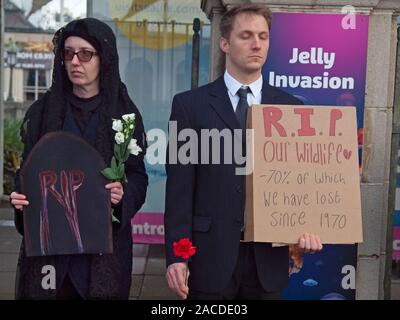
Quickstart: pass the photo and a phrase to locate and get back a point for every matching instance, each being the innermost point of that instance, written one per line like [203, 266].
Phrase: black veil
[47, 114]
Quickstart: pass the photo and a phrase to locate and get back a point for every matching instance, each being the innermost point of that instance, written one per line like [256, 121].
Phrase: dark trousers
[244, 283]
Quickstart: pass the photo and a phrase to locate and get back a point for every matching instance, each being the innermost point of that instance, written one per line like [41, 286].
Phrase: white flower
[133, 147]
[119, 138]
[117, 125]
[128, 116]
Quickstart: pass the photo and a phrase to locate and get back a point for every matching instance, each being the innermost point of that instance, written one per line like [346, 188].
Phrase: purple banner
[148, 227]
[312, 57]
[322, 61]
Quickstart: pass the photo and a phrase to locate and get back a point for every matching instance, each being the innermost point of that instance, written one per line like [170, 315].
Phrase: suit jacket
[205, 202]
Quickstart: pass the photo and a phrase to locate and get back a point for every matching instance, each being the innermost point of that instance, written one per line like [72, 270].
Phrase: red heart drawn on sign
[347, 154]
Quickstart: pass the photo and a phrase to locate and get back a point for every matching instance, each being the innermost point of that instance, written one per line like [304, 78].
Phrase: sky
[45, 17]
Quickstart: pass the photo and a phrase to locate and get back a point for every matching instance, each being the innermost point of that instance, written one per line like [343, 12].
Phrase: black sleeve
[18, 214]
[30, 132]
[179, 187]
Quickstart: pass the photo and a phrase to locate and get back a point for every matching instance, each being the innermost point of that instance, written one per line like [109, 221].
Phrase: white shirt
[233, 86]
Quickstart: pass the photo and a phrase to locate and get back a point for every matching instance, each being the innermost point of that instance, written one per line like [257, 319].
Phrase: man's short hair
[228, 18]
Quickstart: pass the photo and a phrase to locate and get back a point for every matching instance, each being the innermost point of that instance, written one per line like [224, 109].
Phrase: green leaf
[121, 170]
[125, 155]
[113, 164]
[109, 174]
[117, 151]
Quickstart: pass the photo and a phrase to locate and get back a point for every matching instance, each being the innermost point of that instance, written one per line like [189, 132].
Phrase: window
[36, 83]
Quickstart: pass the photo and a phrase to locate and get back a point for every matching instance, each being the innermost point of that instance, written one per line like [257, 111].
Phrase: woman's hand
[18, 200]
[117, 192]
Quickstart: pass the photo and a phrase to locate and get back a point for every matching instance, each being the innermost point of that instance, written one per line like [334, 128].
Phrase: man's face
[247, 47]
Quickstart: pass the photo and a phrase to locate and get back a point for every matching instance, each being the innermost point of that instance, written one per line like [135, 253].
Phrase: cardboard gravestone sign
[69, 209]
[305, 174]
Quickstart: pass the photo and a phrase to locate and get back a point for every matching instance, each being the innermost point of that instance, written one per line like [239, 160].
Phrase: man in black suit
[205, 201]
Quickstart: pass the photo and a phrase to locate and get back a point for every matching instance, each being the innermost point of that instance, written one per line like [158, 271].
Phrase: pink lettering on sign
[273, 116]
[148, 227]
[336, 114]
[305, 129]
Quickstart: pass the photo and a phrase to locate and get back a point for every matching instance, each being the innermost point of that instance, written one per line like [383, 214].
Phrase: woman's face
[83, 74]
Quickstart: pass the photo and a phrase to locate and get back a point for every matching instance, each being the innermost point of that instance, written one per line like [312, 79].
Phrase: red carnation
[184, 248]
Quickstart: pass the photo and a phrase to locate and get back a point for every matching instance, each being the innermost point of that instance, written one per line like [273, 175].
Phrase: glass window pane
[154, 41]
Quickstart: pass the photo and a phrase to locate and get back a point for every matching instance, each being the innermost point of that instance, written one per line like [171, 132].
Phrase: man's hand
[176, 273]
[18, 200]
[117, 192]
[310, 243]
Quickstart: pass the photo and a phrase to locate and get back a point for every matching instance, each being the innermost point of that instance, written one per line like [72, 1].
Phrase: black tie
[241, 109]
[241, 114]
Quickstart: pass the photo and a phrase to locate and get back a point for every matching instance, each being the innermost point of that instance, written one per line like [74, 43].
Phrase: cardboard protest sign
[69, 209]
[305, 174]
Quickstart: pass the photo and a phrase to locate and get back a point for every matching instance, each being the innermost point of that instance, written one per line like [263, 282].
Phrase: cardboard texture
[305, 176]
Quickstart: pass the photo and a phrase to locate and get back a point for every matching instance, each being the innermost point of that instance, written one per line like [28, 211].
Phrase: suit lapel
[220, 102]
[268, 95]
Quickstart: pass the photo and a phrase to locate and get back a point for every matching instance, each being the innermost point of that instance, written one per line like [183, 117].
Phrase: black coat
[106, 276]
[96, 276]
[205, 202]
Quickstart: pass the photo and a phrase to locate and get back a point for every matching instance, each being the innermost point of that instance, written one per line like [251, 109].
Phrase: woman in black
[85, 95]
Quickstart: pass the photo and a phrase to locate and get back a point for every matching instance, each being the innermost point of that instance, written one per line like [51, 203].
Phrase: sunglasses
[83, 55]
